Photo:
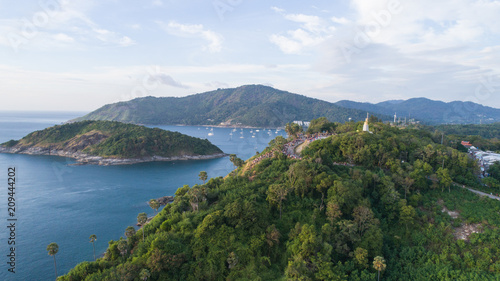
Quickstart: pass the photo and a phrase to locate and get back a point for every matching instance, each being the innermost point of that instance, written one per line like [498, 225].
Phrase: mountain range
[430, 111]
[263, 106]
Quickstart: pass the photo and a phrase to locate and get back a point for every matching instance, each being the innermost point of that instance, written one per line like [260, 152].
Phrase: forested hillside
[251, 105]
[489, 131]
[485, 136]
[355, 206]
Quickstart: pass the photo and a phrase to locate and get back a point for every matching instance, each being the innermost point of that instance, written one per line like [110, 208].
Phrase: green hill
[317, 218]
[252, 105]
[110, 139]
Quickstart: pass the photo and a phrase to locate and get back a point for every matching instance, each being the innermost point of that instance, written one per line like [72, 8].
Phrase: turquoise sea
[65, 204]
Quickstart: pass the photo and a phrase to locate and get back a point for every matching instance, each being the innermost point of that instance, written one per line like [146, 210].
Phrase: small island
[112, 143]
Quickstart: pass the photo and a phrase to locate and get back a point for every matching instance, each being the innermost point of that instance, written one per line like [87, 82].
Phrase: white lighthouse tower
[365, 126]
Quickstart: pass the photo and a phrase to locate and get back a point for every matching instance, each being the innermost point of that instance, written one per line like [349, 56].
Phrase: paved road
[480, 193]
[483, 194]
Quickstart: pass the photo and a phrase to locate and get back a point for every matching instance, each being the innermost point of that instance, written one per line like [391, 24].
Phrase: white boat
[210, 134]
[257, 131]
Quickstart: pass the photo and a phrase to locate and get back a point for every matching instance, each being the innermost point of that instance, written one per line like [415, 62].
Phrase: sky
[78, 55]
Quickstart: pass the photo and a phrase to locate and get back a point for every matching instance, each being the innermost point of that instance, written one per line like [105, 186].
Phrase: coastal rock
[83, 158]
[165, 200]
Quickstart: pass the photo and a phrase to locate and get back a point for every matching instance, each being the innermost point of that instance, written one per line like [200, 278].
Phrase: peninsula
[112, 143]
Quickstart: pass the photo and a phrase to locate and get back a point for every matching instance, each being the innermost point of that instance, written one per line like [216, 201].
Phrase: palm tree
[154, 204]
[129, 231]
[53, 248]
[237, 162]
[379, 265]
[93, 238]
[144, 275]
[142, 218]
[122, 246]
[203, 176]
[277, 193]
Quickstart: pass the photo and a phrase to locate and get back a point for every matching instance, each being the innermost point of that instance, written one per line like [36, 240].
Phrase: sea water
[58, 202]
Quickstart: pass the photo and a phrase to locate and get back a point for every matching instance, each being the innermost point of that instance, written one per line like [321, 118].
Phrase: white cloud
[296, 41]
[312, 31]
[125, 41]
[67, 22]
[311, 23]
[435, 49]
[216, 85]
[287, 46]
[388, 49]
[381, 72]
[104, 85]
[167, 80]
[61, 37]
[340, 20]
[157, 3]
[136, 26]
[277, 10]
[195, 30]
[110, 37]
[410, 27]
[425, 25]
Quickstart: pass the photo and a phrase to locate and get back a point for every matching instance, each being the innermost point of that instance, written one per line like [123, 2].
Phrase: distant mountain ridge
[250, 105]
[431, 111]
[263, 106]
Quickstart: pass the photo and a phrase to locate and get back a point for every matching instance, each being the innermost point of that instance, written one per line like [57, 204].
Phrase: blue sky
[80, 55]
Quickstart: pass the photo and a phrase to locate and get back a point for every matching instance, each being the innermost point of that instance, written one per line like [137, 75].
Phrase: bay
[65, 204]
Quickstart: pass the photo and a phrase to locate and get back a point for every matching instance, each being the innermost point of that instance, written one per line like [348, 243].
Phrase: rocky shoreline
[165, 200]
[85, 159]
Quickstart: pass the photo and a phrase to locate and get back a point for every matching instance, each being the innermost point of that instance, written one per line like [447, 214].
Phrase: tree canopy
[331, 215]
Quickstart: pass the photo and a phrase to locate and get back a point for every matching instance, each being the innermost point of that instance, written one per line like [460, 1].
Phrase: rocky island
[112, 143]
